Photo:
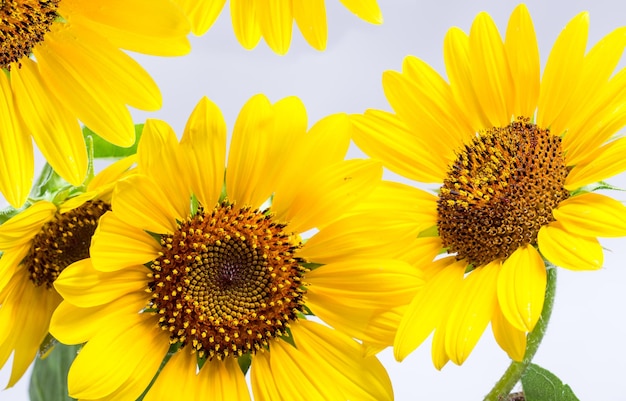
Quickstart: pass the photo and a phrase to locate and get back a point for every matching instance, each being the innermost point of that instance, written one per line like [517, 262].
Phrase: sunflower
[37, 244]
[514, 155]
[62, 62]
[208, 267]
[274, 20]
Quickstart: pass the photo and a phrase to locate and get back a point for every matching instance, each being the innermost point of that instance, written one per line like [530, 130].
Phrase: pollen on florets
[227, 281]
[500, 191]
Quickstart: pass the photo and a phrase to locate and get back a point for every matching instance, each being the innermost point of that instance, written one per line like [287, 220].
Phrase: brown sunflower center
[227, 281]
[500, 191]
[62, 241]
[24, 24]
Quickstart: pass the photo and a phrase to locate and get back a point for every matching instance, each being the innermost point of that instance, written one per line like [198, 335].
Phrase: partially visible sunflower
[62, 62]
[226, 280]
[513, 155]
[273, 20]
[37, 244]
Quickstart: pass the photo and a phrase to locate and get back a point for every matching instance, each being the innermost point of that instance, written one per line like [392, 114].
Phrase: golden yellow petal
[276, 22]
[599, 165]
[223, 381]
[568, 250]
[245, 22]
[367, 10]
[152, 27]
[472, 311]
[16, 150]
[382, 135]
[55, 130]
[510, 339]
[204, 147]
[117, 245]
[310, 15]
[456, 53]
[131, 348]
[9, 264]
[264, 386]
[522, 51]
[22, 228]
[430, 306]
[71, 324]
[85, 287]
[522, 288]
[438, 353]
[249, 155]
[562, 69]
[83, 87]
[178, 379]
[490, 71]
[326, 194]
[201, 14]
[592, 215]
[362, 288]
[141, 202]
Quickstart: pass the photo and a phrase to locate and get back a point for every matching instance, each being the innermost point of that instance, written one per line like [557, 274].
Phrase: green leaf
[540, 384]
[104, 149]
[49, 379]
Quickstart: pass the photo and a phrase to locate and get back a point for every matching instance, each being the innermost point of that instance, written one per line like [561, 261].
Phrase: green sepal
[540, 384]
[49, 379]
[244, 362]
[429, 232]
[104, 149]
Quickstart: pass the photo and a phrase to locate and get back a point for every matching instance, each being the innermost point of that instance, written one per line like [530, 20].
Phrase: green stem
[513, 374]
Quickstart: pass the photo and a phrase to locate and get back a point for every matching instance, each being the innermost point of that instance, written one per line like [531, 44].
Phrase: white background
[585, 344]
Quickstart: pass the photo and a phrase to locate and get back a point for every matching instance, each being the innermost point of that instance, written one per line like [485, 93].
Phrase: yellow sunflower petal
[16, 150]
[325, 364]
[522, 288]
[510, 339]
[151, 27]
[141, 202]
[384, 136]
[84, 286]
[21, 228]
[490, 71]
[569, 250]
[438, 352]
[367, 10]
[429, 306]
[468, 319]
[395, 281]
[592, 215]
[134, 347]
[600, 164]
[522, 53]
[249, 153]
[201, 14]
[204, 147]
[82, 86]
[112, 173]
[330, 192]
[456, 54]
[245, 22]
[223, 381]
[276, 21]
[71, 324]
[178, 379]
[116, 245]
[310, 15]
[55, 129]
[562, 68]
[9, 263]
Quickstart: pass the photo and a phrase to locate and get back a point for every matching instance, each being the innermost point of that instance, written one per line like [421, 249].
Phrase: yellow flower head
[212, 266]
[37, 244]
[273, 20]
[511, 151]
[78, 72]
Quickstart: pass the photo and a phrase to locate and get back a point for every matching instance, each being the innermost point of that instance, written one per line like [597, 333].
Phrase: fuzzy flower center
[62, 241]
[500, 191]
[227, 281]
[23, 24]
